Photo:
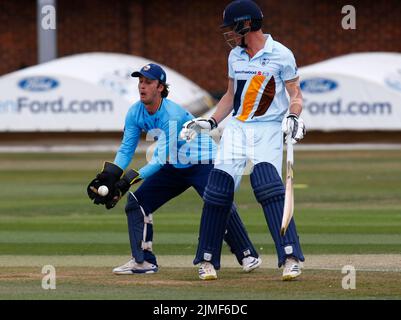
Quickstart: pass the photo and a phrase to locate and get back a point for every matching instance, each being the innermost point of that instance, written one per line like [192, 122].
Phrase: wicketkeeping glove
[293, 127]
[192, 128]
[108, 177]
[122, 186]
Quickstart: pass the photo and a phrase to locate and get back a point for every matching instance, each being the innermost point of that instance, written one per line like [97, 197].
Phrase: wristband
[213, 123]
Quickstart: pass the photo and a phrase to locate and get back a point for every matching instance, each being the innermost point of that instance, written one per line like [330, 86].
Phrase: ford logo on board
[38, 83]
[394, 81]
[318, 85]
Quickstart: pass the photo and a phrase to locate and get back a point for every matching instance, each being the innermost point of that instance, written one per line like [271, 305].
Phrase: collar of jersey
[268, 48]
[160, 105]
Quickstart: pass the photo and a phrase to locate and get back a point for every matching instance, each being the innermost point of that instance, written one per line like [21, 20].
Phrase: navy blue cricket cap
[151, 71]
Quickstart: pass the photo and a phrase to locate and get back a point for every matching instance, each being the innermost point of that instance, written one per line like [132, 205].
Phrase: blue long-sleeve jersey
[163, 126]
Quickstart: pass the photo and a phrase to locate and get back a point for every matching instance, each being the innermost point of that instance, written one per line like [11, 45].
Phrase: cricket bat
[289, 189]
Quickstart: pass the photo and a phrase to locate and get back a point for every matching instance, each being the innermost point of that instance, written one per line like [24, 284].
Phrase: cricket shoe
[207, 271]
[250, 263]
[292, 269]
[131, 267]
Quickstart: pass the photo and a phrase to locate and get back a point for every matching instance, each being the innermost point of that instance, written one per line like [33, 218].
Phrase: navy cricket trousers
[169, 182]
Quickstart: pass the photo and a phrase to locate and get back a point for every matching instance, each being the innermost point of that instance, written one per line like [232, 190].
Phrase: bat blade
[288, 211]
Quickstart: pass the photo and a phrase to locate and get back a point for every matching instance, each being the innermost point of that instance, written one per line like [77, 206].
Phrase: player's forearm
[149, 170]
[125, 153]
[128, 144]
[122, 160]
[296, 99]
[296, 106]
[224, 108]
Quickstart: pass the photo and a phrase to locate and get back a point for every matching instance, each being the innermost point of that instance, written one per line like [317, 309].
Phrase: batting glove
[192, 128]
[293, 127]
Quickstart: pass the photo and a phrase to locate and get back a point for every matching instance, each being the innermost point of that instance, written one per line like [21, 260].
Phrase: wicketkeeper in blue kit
[175, 166]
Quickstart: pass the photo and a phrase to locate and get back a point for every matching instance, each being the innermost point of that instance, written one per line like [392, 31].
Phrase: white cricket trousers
[253, 141]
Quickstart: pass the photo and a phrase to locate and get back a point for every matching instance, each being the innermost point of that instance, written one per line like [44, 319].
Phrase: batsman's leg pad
[237, 238]
[269, 191]
[218, 200]
[140, 229]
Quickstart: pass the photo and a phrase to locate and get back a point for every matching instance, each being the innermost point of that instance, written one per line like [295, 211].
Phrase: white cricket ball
[103, 191]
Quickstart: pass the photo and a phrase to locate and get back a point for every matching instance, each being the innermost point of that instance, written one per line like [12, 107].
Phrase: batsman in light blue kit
[176, 165]
[260, 72]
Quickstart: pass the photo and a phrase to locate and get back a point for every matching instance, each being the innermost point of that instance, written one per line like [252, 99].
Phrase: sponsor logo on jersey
[259, 73]
[245, 72]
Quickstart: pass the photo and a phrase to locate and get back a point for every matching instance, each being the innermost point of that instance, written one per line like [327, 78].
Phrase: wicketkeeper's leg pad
[270, 192]
[237, 238]
[218, 200]
[148, 239]
[140, 230]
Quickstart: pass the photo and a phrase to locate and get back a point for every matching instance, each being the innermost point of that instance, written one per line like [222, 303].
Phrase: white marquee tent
[83, 92]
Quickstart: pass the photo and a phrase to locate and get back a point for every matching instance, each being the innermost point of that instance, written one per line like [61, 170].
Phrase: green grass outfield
[348, 204]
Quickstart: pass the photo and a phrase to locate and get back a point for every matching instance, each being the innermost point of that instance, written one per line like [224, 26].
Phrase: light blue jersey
[163, 126]
[259, 82]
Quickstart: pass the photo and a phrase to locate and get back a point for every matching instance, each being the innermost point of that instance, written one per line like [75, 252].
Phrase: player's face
[234, 34]
[232, 38]
[149, 90]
